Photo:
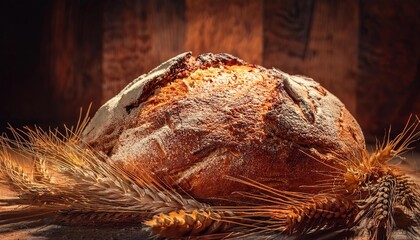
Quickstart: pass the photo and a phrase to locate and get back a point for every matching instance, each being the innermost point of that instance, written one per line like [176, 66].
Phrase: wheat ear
[178, 224]
[389, 149]
[375, 213]
[278, 211]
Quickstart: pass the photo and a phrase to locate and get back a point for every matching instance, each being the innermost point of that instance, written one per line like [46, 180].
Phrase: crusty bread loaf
[194, 120]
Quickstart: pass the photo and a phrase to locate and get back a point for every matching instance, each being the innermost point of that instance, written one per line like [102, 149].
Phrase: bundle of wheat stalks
[70, 183]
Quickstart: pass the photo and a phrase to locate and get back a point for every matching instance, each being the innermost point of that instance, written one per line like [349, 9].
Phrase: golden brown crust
[203, 118]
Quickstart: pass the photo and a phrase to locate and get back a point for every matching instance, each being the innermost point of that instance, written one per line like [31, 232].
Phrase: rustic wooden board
[317, 39]
[138, 36]
[233, 27]
[72, 53]
[389, 58]
[168, 19]
[59, 55]
[126, 44]
[286, 31]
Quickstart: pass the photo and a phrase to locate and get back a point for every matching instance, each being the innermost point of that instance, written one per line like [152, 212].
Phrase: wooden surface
[59, 55]
[235, 27]
[316, 39]
[389, 63]
[72, 41]
[137, 37]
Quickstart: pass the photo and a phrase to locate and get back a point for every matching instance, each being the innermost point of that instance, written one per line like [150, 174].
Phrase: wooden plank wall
[316, 39]
[366, 53]
[235, 27]
[71, 48]
[138, 36]
[388, 87]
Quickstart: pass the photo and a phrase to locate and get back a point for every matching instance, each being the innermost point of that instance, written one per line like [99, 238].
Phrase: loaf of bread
[193, 121]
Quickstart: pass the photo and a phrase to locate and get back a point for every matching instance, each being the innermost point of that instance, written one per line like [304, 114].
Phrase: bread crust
[195, 120]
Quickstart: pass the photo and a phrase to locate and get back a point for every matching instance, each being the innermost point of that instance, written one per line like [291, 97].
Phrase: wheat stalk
[389, 149]
[73, 178]
[90, 180]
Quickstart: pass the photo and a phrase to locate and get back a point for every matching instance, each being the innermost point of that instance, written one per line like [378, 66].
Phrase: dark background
[59, 55]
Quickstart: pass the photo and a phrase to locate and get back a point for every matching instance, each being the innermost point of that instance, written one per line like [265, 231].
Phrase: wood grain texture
[72, 55]
[389, 58]
[138, 36]
[286, 28]
[219, 26]
[168, 37]
[126, 44]
[326, 52]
